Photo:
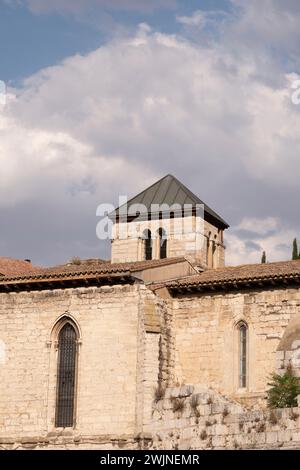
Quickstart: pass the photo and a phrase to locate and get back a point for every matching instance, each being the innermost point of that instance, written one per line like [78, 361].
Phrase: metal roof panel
[169, 190]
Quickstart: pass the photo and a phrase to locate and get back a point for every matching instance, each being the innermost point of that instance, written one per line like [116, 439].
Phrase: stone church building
[91, 350]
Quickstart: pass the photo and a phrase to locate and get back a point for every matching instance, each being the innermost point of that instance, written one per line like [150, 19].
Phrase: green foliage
[264, 258]
[284, 390]
[295, 249]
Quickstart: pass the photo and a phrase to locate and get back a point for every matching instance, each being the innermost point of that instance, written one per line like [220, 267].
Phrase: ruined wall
[189, 417]
[194, 417]
[207, 344]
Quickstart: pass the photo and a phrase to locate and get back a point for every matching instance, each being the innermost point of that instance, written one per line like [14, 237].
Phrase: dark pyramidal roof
[169, 190]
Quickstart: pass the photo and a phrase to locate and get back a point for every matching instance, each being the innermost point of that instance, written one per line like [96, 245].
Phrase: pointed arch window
[243, 347]
[162, 243]
[147, 237]
[66, 376]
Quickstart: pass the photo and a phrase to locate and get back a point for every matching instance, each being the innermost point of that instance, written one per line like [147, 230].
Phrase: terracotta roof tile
[14, 267]
[87, 268]
[240, 274]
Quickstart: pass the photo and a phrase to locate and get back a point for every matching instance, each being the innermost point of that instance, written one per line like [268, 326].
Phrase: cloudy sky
[104, 97]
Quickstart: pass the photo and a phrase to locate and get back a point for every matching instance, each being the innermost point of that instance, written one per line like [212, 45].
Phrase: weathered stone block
[271, 437]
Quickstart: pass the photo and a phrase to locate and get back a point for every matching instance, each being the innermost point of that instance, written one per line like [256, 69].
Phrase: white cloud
[260, 226]
[270, 236]
[265, 32]
[40, 163]
[156, 92]
[112, 121]
[198, 18]
[267, 25]
[201, 18]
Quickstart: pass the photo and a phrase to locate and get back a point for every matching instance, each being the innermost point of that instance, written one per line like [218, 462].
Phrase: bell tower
[167, 220]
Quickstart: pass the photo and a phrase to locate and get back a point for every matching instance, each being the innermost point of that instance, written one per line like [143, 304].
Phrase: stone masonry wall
[132, 345]
[155, 352]
[207, 343]
[107, 318]
[195, 418]
[184, 239]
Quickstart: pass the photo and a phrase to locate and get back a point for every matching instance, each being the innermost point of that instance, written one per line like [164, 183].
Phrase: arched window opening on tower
[66, 376]
[209, 251]
[162, 243]
[214, 252]
[243, 339]
[147, 237]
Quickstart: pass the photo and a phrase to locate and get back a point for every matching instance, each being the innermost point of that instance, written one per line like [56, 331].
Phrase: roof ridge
[144, 190]
[106, 268]
[239, 275]
[269, 263]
